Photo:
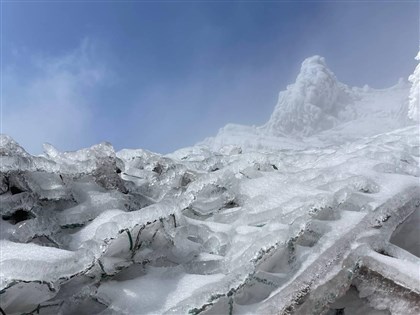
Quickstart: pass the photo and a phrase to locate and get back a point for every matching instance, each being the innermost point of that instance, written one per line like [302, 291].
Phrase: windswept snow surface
[311, 213]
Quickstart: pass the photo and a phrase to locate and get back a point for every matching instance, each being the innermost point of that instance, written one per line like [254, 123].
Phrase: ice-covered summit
[414, 103]
[319, 110]
[315, 102]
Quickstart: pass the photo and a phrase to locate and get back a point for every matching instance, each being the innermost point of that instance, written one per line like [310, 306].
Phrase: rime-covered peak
[317, 109]
[414, 98]
[313, 103]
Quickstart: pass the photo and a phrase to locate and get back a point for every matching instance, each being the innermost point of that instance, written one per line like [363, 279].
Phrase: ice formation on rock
[260, 220]
[414, 104]
[315, 102]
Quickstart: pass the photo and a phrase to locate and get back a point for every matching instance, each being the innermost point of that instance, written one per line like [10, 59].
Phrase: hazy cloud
[49, 101]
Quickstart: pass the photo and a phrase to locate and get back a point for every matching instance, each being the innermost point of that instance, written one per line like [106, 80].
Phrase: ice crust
[309, 214]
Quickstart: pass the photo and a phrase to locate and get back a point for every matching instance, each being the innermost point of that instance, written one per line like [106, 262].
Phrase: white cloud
[50, 102]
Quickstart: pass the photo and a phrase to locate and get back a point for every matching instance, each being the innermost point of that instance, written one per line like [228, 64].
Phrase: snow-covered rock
[315, 102]
[414, 103]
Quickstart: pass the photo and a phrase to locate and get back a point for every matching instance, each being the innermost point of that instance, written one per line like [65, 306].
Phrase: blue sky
[164, 75]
